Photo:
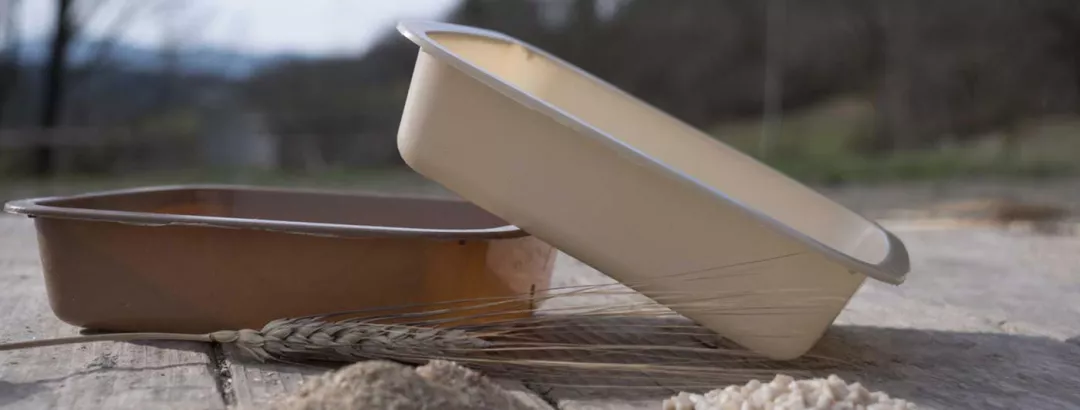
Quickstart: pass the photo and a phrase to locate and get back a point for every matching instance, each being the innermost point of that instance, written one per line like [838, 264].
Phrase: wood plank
[923, 341]
[570, 272]
[258, 384]
[981, 323]
[103, 375]
[524, 394]
[610, 404]
[1014, 280]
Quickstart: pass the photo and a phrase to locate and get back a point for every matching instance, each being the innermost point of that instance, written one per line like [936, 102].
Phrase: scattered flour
[390, 386]
[786, 393]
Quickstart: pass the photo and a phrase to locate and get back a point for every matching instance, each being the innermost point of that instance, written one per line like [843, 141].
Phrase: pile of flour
[391, 386]
[786, 393]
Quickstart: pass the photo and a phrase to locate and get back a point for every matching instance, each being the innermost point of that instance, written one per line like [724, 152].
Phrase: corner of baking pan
[893, 269]
[24, 206]
[417, 31]
[16, 207]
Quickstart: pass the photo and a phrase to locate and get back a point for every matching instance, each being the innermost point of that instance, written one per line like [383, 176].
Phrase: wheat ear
[342, 341]
[540, 349]
[307, 337]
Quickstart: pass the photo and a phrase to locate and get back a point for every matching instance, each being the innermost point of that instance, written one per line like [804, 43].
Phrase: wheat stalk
[495, 349]
[307, 338]
[520, 348]
[347, 341]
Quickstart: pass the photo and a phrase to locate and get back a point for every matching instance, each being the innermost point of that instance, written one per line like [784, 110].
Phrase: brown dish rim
[40, 207]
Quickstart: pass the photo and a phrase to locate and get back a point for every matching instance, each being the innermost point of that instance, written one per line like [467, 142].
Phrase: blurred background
[867, 100]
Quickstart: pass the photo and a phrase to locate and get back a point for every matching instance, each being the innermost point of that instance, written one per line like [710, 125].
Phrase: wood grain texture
[255, 384]
[571, 272]
[103, 375]
[524, 394]
[981, 323]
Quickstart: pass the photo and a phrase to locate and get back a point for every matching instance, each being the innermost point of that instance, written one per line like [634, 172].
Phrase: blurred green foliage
[870, 90]
[821, 146]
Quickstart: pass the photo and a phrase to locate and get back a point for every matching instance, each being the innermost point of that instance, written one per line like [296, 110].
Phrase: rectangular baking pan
[205, 258]
[634, 192]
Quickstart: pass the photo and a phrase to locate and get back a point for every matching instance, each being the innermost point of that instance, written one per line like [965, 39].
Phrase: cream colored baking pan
[634, 192]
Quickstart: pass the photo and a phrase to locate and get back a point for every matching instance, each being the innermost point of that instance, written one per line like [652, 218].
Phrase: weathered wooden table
[984, 321]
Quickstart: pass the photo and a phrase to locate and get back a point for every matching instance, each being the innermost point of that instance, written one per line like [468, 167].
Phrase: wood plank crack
[219, 368]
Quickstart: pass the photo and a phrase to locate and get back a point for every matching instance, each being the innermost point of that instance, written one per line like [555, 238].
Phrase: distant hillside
[114, 96]
[201, 60]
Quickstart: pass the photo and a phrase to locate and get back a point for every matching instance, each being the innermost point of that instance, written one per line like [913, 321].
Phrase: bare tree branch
[57, 81]
[54, 86]
[177, 22]
[9, 28]
[9, 51]
[103, 49]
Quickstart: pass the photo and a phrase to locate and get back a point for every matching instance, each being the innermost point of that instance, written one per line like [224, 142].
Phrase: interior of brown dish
[299, 206]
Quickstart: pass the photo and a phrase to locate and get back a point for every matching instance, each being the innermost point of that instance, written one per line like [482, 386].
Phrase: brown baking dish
[205, 258]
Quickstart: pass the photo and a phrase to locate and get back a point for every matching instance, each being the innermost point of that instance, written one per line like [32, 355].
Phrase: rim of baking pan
[893, 268]
[38, 207]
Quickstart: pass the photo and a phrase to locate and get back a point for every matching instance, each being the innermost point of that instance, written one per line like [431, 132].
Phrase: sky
[307, 27]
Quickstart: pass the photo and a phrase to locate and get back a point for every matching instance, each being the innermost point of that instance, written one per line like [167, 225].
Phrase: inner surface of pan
[671, 142]
[283, 206]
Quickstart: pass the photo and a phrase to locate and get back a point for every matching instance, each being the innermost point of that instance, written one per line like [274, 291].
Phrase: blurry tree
[9, 51]
[962, 69]
[70, 17]
[335, 110]
[54, 85]
[175, 33]
[520, 18]
[346, 109]
[934, 71]
[180, 25]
